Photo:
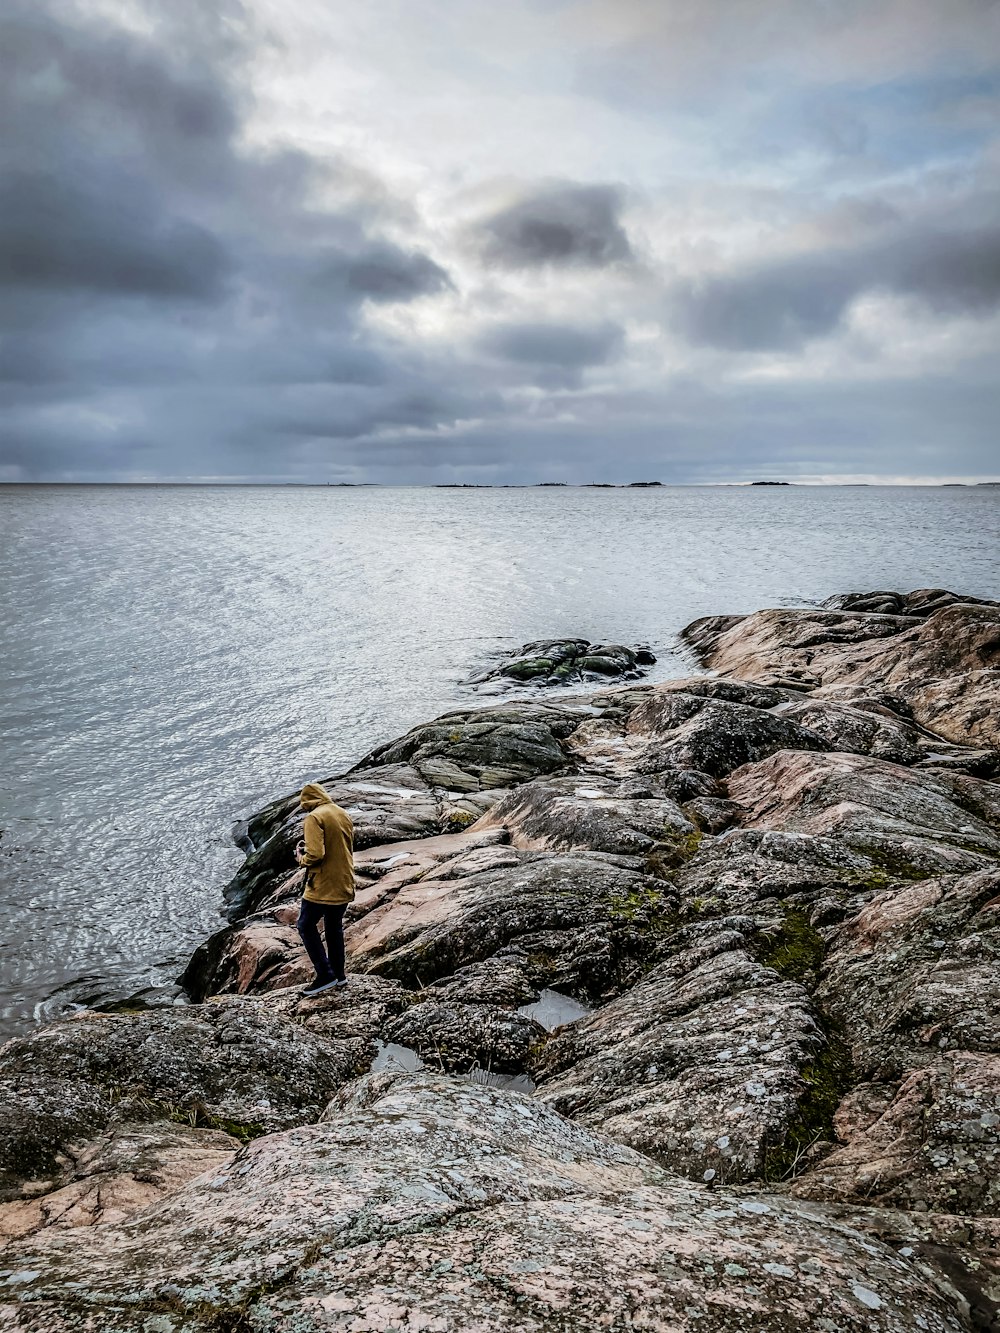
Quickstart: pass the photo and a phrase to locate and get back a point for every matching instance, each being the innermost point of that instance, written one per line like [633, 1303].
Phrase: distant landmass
[770, 483]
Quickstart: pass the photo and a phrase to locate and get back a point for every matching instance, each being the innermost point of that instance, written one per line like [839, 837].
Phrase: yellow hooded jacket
[329, 848]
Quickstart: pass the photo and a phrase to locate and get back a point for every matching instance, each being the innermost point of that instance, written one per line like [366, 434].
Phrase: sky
[440, 241]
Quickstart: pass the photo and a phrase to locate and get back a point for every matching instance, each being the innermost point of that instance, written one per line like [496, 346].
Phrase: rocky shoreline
[769, 897]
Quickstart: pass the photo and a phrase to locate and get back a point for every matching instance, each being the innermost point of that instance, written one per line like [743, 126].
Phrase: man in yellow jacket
[327, 852]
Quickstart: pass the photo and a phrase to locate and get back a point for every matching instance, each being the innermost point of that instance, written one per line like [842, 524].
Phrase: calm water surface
[175, 657]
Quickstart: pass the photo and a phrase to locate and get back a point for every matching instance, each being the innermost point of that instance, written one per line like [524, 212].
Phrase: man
[327, 852]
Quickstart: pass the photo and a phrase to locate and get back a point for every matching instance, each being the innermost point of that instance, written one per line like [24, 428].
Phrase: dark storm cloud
[144, 251]
[784, 303]
[103, 235]
[385, 273]
[559, 223]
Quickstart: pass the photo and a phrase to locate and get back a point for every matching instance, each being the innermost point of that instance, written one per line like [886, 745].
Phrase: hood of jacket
[312, 795]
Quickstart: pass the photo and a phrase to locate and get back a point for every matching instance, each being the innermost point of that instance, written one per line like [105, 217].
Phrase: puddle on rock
[552, 1009]
[392, 1056]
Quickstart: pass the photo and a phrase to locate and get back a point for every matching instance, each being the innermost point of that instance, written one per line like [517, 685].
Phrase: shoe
[341, 984]
[319, 988]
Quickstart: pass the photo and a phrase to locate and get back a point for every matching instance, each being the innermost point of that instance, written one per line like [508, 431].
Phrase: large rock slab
[476, 750]
[423, 1202]
[702, 1065]
[589, 814]
[585, 915]
[913, 822]
[944, 666]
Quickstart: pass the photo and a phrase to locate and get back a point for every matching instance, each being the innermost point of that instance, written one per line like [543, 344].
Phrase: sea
[175, 657]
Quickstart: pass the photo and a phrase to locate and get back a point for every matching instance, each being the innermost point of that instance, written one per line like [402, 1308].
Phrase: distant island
[770, 483]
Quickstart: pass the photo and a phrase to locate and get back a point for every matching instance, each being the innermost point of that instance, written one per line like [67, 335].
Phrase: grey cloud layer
[176, 303]
[782, 304]
[140, 242]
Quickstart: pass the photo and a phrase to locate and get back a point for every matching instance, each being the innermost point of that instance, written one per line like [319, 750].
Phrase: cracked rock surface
[448, 1206]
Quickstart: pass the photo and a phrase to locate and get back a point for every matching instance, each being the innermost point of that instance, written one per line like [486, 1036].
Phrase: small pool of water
[392, 1056]
[552, 1009]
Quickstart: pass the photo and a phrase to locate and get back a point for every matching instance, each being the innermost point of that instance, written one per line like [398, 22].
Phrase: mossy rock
[827, 1079]
[795, 951]
[528, 668]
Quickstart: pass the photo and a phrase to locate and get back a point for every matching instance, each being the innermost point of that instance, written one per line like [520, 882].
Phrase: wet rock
[588, 814]
[459, 1037]
[470, 751]
[457, 1206]
[911, 822]
[699, 1065]
[566, 661]
[924, 602]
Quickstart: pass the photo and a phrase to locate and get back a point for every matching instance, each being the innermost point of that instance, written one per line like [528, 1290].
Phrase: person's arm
[314, 848]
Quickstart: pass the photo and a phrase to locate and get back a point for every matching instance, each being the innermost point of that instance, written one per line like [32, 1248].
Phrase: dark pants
[328, 962]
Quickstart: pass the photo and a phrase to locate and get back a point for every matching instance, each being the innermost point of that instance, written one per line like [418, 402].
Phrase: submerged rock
[567, 662]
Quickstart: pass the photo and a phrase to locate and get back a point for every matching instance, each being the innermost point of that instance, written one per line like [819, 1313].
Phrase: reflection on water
[174, 658]
[552, 1009]
[391, 1056]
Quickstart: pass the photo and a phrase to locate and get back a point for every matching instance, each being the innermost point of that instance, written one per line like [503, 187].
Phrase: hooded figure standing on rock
[327, 852]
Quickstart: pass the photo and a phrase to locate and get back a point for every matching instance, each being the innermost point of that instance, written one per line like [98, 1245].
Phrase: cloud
[562, 345]
[103, 235]
[235, 243]
[558, 223]
[148, 252]
[783, 303]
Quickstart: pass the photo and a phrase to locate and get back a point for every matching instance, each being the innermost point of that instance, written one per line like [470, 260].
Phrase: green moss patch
[796, 950]
[826, 1080]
